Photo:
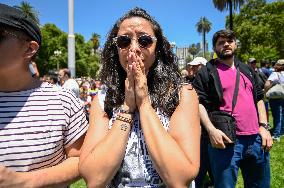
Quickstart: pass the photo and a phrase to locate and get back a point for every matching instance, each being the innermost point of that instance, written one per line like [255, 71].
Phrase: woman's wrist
[145, 104]
[125, 118]
[124, 108]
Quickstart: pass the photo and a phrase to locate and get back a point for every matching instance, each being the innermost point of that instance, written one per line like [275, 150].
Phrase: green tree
[228, 4]
[207, 55]
[188, 59]
[87, 61]
[203, 26]
[53, 39]
[193, 50]
[95, 41]
[259, 29]
[29, 10]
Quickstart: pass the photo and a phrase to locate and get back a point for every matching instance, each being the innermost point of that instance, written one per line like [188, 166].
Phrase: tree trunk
[204, 42]
[231, 14]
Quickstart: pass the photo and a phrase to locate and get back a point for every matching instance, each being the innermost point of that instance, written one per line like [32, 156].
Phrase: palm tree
[95, 41]
[228, 4]
[29, 10]
[193, 50]
[203, 26]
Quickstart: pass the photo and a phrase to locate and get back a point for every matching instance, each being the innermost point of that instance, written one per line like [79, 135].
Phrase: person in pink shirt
[215, 84]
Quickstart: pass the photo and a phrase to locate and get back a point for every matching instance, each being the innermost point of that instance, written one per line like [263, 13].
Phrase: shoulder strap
[236, 90]
[212, 70]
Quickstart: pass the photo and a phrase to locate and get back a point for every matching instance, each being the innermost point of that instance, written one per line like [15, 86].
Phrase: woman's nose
[134, 46]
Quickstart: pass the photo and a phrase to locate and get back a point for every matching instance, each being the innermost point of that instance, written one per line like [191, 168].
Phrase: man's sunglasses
[124, 41]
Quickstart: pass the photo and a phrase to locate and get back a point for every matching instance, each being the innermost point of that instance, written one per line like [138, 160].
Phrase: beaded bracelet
[124, 119]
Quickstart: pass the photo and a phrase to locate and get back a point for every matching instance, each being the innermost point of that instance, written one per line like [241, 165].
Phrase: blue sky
[177, 17]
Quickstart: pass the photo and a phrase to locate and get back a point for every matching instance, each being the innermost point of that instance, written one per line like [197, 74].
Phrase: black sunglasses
[144, 41]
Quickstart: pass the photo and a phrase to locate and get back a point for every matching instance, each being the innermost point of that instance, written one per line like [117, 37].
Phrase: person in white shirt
[68, 83]
[277, 103]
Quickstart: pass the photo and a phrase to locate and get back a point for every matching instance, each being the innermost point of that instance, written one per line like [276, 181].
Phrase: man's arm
[261, 112]
[262, 118]
[200, 83]
[265, 134]
[217, 137]
[60, 175]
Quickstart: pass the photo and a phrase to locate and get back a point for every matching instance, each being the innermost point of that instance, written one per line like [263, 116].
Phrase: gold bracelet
[124, 119]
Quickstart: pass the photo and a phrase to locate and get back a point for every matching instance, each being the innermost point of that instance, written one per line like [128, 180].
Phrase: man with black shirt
[215, 85]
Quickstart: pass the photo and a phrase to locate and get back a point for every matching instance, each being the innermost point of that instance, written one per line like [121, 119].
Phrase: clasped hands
[136, 89]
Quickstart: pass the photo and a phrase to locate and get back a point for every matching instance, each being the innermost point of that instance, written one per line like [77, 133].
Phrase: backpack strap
[234, 102]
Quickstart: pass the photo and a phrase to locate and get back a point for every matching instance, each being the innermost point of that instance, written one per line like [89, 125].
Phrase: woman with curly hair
[144, 132]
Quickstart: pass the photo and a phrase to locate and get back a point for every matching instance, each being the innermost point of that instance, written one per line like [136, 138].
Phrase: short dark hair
[67, 72]
[54, 78]
[224, 34]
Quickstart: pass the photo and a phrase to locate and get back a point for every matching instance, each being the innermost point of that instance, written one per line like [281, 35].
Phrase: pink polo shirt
[244, 112]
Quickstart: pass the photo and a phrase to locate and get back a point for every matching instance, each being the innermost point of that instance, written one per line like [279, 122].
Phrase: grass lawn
[79, 184]
[276, 163]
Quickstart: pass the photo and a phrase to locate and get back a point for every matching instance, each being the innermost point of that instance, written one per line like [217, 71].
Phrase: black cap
[16, 18]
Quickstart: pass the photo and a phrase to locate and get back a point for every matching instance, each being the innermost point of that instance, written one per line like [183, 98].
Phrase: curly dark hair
[163, 77]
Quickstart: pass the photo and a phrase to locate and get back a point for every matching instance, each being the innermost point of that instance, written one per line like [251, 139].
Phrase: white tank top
[137, 168]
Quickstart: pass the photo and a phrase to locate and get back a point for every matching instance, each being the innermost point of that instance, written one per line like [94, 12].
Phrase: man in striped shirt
[41, 127]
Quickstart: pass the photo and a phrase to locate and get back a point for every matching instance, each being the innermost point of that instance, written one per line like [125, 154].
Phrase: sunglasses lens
[123, 41]
[145, 41]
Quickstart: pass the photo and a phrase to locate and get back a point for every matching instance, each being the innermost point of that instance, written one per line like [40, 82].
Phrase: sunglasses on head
[124, 41]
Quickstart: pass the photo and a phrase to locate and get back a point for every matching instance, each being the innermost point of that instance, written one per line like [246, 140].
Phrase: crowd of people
[84, 88]
[143, 123]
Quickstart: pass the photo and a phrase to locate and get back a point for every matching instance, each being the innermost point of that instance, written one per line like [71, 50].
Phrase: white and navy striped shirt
[37, 125]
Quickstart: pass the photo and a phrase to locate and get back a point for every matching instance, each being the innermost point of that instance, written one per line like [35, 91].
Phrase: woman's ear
[32, 49]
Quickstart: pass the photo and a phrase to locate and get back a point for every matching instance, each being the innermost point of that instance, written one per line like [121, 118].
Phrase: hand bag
[276, 92]
[225, 121]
